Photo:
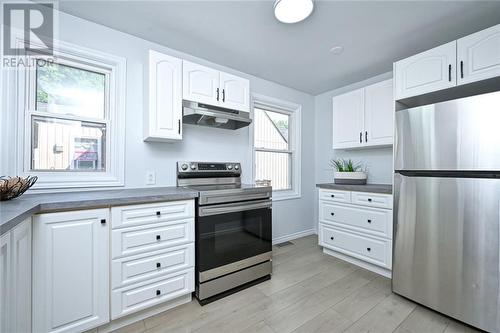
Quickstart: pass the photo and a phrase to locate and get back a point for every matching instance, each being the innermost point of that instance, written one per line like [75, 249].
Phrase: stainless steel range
[233, 228]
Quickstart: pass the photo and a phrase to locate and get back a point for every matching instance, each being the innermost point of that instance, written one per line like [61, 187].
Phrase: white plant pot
[350, 178]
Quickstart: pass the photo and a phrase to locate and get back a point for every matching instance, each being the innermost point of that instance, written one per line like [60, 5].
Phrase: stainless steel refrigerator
[447, 208]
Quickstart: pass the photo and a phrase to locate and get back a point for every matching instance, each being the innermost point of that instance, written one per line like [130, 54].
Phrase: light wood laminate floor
[309, 292]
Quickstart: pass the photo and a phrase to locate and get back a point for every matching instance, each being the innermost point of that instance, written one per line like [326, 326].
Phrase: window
[276, 132]
[73, 116]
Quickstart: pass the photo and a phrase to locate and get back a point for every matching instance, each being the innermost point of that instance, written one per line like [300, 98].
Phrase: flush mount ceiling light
[292, 11]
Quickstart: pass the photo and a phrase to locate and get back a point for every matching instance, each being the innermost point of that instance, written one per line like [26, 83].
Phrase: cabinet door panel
[71, 271]
[235, 92]
[21, 277]
[348, 119]
[426, 72]
[200, 83]
[478, 55]
[5, 289]
[379, 114]
[165, 97]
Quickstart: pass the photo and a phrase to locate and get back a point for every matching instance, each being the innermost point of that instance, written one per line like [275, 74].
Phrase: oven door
[230, 237]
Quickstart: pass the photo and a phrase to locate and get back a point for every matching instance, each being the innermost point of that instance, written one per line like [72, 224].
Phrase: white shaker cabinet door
[348, 119]
[5, 275]
[426, 72]
[235, 92]
[164, 117]
[379, 114]
[478, 55]
[200, 84]
[70, 271]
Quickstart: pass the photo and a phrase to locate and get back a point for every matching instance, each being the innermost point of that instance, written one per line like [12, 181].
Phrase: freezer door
[446, 246]
[462, 134]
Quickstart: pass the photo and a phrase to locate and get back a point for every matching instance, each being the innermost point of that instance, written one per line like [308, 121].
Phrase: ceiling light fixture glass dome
[292, 11]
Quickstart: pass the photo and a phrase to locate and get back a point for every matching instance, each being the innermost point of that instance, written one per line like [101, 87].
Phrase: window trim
[295, 113]
[114, 120]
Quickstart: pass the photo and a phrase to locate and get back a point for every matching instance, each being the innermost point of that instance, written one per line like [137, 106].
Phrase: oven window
[226, 238]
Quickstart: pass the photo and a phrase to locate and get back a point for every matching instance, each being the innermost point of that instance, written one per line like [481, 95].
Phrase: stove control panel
[202, 167]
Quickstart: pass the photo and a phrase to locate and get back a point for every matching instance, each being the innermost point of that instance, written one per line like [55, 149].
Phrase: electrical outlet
[150, 178]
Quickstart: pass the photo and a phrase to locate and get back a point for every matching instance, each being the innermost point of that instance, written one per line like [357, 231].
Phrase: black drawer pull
[158, 265]
[158, 292]
[158, 237]
[368, 249]
[369, 221]
[333, 195]
[158, 213]
[369, 199]
[332, 213]
[103, 221]
[331, 238]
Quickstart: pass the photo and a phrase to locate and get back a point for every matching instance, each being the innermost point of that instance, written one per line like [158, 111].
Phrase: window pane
[274, 167]
[271, 129]
[63, 89]
[67, 145]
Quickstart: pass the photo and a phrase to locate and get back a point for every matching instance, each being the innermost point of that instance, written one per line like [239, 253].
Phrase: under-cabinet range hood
[213, 116]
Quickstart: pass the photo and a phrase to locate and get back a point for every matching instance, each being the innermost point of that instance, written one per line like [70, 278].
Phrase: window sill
[285, 195]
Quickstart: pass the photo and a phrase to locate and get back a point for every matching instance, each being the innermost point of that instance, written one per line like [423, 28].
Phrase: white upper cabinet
[379, 114]
[348, 113]
[200, 84]
[163, 120]
[209, 86]
[478, 55]
[364, 117]
[425, 72]
[71, 271]
[235, 92]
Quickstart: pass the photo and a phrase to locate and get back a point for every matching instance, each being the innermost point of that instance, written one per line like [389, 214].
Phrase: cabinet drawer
[135, 240]
[363, 219]
[333, 195]
[375, 251]
[144, 295]
[138, 268]
[129, 216]
[372, 199]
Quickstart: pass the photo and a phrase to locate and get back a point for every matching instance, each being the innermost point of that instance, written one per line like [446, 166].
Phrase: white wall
[199, 143]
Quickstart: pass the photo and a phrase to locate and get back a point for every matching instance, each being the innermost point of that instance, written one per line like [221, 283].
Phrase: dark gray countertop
[372, 188]
[17, 210]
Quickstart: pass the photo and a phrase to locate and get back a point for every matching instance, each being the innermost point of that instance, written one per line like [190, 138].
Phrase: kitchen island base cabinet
[70, 270]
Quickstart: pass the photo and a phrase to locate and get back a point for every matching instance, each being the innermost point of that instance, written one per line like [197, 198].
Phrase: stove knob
[193, 166]
[184, 166]
[236, 167]
[230, 167]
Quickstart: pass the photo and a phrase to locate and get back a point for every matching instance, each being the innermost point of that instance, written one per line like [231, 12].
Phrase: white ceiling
[244, 35]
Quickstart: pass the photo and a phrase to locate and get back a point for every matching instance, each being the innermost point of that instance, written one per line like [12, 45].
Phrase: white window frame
[294, 111]
[80, 57]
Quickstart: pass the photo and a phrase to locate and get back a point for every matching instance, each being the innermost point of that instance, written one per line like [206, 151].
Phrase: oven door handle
[233, 207]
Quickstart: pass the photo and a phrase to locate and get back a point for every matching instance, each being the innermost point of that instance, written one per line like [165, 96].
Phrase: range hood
[214, 116]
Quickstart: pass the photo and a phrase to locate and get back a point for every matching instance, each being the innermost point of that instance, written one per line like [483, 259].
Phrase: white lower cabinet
[15, 279]
[70, 270]
[357, 228]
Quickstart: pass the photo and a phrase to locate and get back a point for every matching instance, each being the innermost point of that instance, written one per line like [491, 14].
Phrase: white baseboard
[293, 236]
[355, 261]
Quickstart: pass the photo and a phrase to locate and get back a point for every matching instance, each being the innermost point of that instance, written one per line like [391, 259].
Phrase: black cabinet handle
[368, 249]
[179, 126]
[462, 69]
[332, 213]
[360, 137]
[331, 238]
[158, 292]
[369, 199]
[369, 221]
[449, 72]
[103, 221]
[223, 95]
[366, 136]
[217, 94]
[158, 265]
[333, 195]
[158, 237]
[158, 213]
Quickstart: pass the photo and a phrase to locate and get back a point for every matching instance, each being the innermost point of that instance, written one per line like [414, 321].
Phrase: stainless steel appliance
[214, 116]
[447, 208]
[233, 228]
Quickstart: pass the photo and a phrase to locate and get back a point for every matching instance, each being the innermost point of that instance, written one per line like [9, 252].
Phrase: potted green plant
[348, 173]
